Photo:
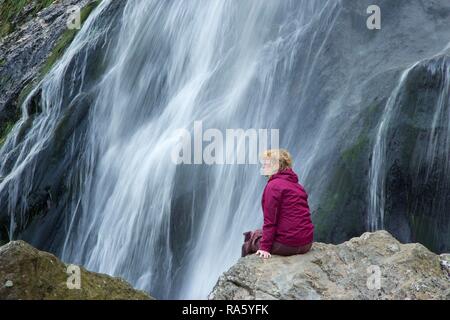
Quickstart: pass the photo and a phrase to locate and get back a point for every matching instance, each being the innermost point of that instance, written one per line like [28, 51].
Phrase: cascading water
[428, 165]
[95, 140]
[436, 146]
[375, 218]
[173, 64]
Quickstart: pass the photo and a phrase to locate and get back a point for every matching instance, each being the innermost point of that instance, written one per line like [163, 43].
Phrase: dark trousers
[252, 244]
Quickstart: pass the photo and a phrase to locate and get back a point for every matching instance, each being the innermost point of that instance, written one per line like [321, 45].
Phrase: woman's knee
[283, 250]
[305, 249]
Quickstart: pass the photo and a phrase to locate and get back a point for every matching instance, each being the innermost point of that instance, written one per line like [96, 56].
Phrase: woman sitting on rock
[287, 229]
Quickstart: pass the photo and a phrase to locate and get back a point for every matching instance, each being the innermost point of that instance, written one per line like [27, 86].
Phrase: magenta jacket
[287, 218]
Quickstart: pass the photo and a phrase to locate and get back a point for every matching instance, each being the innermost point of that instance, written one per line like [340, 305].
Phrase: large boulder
[29, 274]
[345, 271]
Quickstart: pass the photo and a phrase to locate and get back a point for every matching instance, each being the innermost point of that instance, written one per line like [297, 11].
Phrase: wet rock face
[346, 271]
[341, 84]
[52, 187]
[417, 158]
[25, 50]
[29, 274]
[39, 38]
[416, 201]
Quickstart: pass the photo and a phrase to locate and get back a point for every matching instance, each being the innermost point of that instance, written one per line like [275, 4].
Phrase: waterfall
[169, 64]
[437, 140]
[377, 174]
[88, 170]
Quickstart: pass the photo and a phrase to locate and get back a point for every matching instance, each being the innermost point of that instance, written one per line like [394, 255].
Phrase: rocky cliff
[373, 266]
[29, 274]
[33, 35]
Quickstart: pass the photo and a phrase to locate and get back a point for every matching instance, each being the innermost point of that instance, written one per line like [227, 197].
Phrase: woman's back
[293, 217]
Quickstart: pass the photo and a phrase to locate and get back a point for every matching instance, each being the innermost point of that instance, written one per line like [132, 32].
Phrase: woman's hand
[263, 254]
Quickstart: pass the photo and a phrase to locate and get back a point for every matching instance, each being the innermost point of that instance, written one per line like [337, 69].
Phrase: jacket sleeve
[271, 204]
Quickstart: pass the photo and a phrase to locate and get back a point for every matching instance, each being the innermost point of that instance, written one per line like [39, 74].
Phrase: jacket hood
[287, 174]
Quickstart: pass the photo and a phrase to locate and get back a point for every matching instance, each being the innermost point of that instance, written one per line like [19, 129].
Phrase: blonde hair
[282, 155]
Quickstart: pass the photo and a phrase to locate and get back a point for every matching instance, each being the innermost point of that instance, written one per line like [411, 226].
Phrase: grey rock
[344, 271]
[30, 274]
[24, 51]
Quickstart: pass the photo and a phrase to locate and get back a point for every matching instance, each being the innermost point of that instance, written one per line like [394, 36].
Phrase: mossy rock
[416, 186]
[4, 131]
[58, 50]
[66, 38]
[11, 9]
[341, 212]
[29, 274]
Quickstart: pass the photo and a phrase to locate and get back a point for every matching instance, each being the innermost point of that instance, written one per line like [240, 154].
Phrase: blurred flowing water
[138, 71]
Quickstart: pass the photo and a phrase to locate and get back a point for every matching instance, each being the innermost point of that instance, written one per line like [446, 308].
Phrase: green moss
[340, 213]
[8, 125]
[24, 93]
[58, 50]
[424, 230]
[66, 39]
[61, 45]
[10, 10]
[60, 135]
[5, 131]
[39, 275]
[331, 224]
[353, 153]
